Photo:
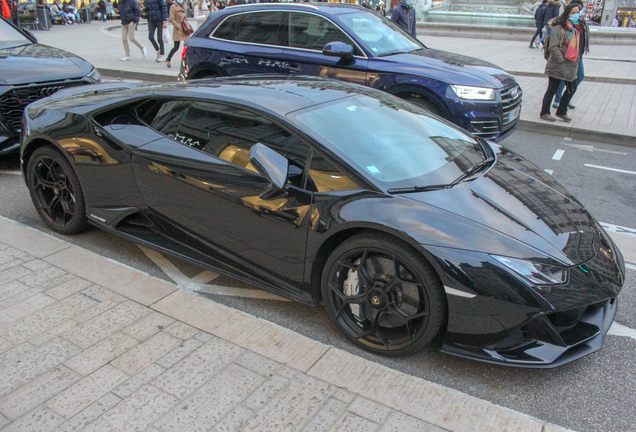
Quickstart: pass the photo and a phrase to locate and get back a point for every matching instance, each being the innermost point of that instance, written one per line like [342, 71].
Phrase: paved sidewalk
[606, 100]
[89, 344]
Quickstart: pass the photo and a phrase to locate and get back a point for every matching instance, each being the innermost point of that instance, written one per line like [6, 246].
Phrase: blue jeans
[548, 29]
[580, 74]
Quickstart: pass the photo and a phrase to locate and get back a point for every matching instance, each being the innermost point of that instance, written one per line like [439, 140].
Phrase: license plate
[512, 115]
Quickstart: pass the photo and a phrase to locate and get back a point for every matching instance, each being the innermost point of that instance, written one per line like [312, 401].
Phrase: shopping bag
[167, 37]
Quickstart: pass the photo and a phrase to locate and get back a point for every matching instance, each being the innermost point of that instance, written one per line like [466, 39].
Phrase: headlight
[474, 93]
[95, 75]
[537, 273]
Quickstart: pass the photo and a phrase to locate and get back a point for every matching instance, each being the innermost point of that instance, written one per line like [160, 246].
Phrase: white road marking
[567, 139]
[558, 155]
[185, 283]
[620, 330]
[618, 229]
[10, 172]
[591, 148]
[611, 169]
[549, 171]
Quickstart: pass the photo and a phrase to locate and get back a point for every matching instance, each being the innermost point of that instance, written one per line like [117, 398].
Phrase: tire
[56, 191]
[383, 310]
[425, 103]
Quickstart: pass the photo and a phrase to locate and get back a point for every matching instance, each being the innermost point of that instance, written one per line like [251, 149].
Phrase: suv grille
[511, 98]
[13, 102]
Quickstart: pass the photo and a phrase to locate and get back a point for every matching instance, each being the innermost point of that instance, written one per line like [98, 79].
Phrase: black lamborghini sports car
[402, 224]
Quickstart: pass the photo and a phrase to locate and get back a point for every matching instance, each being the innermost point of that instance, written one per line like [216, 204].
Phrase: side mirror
[338, 49]
[270, 165]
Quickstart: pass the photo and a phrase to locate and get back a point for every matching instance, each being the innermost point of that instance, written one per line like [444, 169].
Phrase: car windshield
[10, 37]
[391, 142]
[379, 34]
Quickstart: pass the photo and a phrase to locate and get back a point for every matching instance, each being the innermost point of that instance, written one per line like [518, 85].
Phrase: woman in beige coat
[177, 15]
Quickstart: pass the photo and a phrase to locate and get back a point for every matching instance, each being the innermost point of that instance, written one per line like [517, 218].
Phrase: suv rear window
[255, 27]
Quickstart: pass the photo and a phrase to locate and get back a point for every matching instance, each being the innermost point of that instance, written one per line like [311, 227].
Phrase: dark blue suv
[351, 43]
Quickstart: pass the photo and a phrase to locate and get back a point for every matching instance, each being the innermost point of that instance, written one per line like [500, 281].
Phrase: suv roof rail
[274, 4]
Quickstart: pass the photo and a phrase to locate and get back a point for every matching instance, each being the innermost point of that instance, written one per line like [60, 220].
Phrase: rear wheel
[383, 295]
[56, 191]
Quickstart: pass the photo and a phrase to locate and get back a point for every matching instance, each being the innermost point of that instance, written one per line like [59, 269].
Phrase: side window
[313, 32]
[324, 177]
[163, 116]
[260, 27]
[224, 31]
[228, 133]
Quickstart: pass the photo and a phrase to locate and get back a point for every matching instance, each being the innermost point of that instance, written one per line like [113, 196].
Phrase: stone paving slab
[185, 363]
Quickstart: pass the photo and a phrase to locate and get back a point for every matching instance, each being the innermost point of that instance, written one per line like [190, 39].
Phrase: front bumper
[549, 340]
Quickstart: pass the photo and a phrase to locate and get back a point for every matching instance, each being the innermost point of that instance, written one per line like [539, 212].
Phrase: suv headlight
[473, 93]
[534, 272]
[95, 75]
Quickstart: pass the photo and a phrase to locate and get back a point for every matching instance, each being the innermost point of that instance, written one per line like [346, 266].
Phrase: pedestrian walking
[101, 10]
[176, 17]
[539, 20]
[584, 48]
[129, 12]
[157, 16]
[404, 16]
[551, 12]
[563, 61]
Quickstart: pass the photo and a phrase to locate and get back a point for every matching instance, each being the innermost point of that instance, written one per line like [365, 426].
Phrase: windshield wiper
[472, 170]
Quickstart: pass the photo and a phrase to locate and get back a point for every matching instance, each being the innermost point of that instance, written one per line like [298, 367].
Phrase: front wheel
[56, 191]
[423, 102]
[383, 295]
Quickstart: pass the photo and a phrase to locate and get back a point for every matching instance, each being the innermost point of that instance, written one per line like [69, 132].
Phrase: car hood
[35, 63]
[454, 68]
[516, 198]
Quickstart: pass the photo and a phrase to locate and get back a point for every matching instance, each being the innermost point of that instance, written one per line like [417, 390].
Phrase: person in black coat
[539, 19]
[157, 17]
[551, 12]
[101, 10]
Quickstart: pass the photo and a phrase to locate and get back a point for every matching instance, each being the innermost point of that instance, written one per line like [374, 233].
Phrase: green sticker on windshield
[373, 170]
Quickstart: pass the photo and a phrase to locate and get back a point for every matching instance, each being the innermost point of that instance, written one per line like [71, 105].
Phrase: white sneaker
[158, 55]
[144, 52]
[161, 59]
[127, 58]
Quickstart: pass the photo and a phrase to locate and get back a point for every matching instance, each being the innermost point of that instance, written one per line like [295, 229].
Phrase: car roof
[327, 8]
[279, 94]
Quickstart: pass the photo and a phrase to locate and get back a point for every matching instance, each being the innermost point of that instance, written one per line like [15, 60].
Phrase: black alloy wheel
[425, 103]
[56, 192]
[383, 294]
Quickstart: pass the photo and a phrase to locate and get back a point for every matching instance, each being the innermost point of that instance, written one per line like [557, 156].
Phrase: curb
[590, 78]
[579, 133]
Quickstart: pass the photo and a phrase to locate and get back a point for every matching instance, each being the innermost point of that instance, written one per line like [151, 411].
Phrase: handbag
[186, 27]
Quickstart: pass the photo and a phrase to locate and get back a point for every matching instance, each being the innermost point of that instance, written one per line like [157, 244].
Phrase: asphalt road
[596, 393]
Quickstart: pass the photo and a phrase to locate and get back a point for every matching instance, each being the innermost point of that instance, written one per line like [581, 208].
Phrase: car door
[200, 183]
[305, 36]
[251, 43]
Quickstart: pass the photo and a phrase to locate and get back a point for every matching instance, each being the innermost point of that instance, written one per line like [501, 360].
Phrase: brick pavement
[87, 344]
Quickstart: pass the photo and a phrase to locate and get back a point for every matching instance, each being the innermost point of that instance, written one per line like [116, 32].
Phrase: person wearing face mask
[404, 16]
[584, 48]
[177, 15]
[563, 61]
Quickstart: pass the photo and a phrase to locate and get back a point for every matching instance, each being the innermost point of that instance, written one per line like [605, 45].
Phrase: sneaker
[531, 46]
[570, 106]
[168, 64]
[161, 58]
[547, 117]
[555, 105]
[127, 58]
[143, 52]
[564, 117]
[536, 44]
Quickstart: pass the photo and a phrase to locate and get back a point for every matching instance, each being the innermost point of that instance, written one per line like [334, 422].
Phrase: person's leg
[570, 89]
[160, 37]
[547, 34]
[553, 84]
[152, 26]
[580, 73]
[536, 33]
[131, 35]
[559, 93]
[172, 51]
[124, 38]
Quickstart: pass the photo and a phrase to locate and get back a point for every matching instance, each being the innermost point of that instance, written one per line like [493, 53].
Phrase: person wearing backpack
[584, 48]
[562, 51]
[539, 18]
[551, 12]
